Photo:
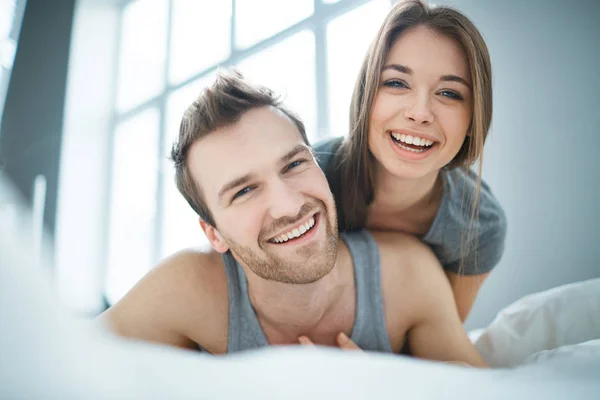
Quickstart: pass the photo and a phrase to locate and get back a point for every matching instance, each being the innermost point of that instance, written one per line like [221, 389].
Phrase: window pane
[180, 227]
[330, 1]
[142, 52]
[348, 38]
[177, 103]
[200, 36]
[132, 205]
[289, 69]
[259, 19]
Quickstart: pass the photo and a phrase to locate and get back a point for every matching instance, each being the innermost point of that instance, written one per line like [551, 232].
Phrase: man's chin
[303, 274]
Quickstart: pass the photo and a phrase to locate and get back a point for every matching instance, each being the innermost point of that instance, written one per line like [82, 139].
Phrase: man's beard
[315, 261]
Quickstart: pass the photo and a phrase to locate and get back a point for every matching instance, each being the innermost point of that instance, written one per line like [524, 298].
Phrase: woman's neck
[397, 195]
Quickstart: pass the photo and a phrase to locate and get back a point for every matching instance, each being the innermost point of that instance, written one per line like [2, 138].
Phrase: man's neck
[399, 194]
[294, 310]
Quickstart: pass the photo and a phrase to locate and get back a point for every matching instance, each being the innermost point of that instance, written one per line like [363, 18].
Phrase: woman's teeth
[296, 232]
[410, 148]
[415, 141]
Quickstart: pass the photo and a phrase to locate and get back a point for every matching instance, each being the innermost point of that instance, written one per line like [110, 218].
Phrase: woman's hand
[343, 341]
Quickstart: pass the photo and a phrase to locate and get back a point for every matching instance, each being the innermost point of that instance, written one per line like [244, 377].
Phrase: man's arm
[419, 300]
[177, 303]
[437, 332]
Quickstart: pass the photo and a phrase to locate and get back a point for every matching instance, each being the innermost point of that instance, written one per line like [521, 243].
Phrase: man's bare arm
[437, 333]
[175, 301]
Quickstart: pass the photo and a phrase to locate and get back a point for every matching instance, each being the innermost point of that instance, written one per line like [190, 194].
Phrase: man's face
[270, 200]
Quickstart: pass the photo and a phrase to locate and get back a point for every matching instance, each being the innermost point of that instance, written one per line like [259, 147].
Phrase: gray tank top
[369, 331]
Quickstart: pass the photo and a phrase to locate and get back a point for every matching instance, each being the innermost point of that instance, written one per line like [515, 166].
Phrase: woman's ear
[214, 237]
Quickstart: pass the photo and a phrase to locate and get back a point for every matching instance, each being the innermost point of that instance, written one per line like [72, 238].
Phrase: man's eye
[294, 164]
[242, 192]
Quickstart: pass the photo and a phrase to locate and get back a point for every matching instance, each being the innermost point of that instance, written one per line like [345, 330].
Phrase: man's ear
[214, 237]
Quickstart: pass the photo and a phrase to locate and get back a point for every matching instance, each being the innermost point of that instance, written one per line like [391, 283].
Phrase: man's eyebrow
[293, 152]
[444, 78]
[246, 178]
[234, 183]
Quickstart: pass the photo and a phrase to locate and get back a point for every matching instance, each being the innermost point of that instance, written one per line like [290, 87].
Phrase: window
[11, 15]
[346, 48]
[168, 51]
[260, 19]
[180, 226]
[132, 205]
[200, 37]
[142, 52]
[288, 67]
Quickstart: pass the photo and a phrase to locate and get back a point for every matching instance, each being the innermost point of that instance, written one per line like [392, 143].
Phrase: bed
[544, 346]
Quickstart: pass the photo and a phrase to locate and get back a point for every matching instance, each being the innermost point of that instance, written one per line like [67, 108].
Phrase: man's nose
[284, 200]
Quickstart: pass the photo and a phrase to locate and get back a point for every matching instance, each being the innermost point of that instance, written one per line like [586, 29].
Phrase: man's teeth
[408, 139]
[296, 232]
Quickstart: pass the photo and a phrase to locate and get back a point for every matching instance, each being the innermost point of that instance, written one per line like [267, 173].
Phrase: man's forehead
[252, 145]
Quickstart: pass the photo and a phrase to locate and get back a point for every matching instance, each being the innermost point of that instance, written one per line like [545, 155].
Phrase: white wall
[545, 138]
[84, 169]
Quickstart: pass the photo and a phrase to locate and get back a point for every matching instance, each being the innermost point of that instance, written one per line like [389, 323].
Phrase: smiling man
[280, 274]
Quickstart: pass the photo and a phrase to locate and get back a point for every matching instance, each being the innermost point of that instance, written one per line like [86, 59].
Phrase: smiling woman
[419, 118]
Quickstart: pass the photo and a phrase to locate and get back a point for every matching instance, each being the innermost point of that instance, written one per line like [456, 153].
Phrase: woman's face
[423, 106]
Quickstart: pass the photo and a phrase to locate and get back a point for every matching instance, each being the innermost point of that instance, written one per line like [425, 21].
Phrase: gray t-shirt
[445, 237]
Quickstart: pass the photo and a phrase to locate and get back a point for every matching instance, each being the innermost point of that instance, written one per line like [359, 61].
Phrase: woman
[419, 118]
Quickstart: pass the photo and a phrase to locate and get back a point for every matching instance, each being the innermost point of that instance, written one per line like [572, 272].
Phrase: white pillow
[563, 316]
[585, 350]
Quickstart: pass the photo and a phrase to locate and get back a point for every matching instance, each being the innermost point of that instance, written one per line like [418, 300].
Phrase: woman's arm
[465, 289]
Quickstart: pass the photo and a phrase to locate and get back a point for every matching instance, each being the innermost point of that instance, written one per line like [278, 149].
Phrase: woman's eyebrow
[398, 67]
[455, 78]
[444, 78]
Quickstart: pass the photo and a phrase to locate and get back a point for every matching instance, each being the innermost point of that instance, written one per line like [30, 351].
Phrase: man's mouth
[297, 231]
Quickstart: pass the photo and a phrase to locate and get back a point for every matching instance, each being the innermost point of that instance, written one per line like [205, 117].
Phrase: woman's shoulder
[487, 231]
[459, 192]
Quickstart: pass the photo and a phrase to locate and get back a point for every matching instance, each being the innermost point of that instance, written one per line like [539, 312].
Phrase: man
[280, 274]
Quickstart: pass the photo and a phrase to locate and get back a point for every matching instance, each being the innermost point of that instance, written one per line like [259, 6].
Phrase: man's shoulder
[195, 264]
[408, 268]
[400, 247]
[407, 264]
[188, 270]
[181, 301]
[198, 276]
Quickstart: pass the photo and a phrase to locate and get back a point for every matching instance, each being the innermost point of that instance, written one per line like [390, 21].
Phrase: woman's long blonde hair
[354, 158]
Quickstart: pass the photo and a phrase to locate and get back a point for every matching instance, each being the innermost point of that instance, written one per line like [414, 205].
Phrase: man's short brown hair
[219, 105]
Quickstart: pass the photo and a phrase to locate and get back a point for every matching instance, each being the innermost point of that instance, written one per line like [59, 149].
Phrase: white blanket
[46, 354]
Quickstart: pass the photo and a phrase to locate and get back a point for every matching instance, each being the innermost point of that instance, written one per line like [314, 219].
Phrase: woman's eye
[451, 94]
[395, 83]
[242, 192]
